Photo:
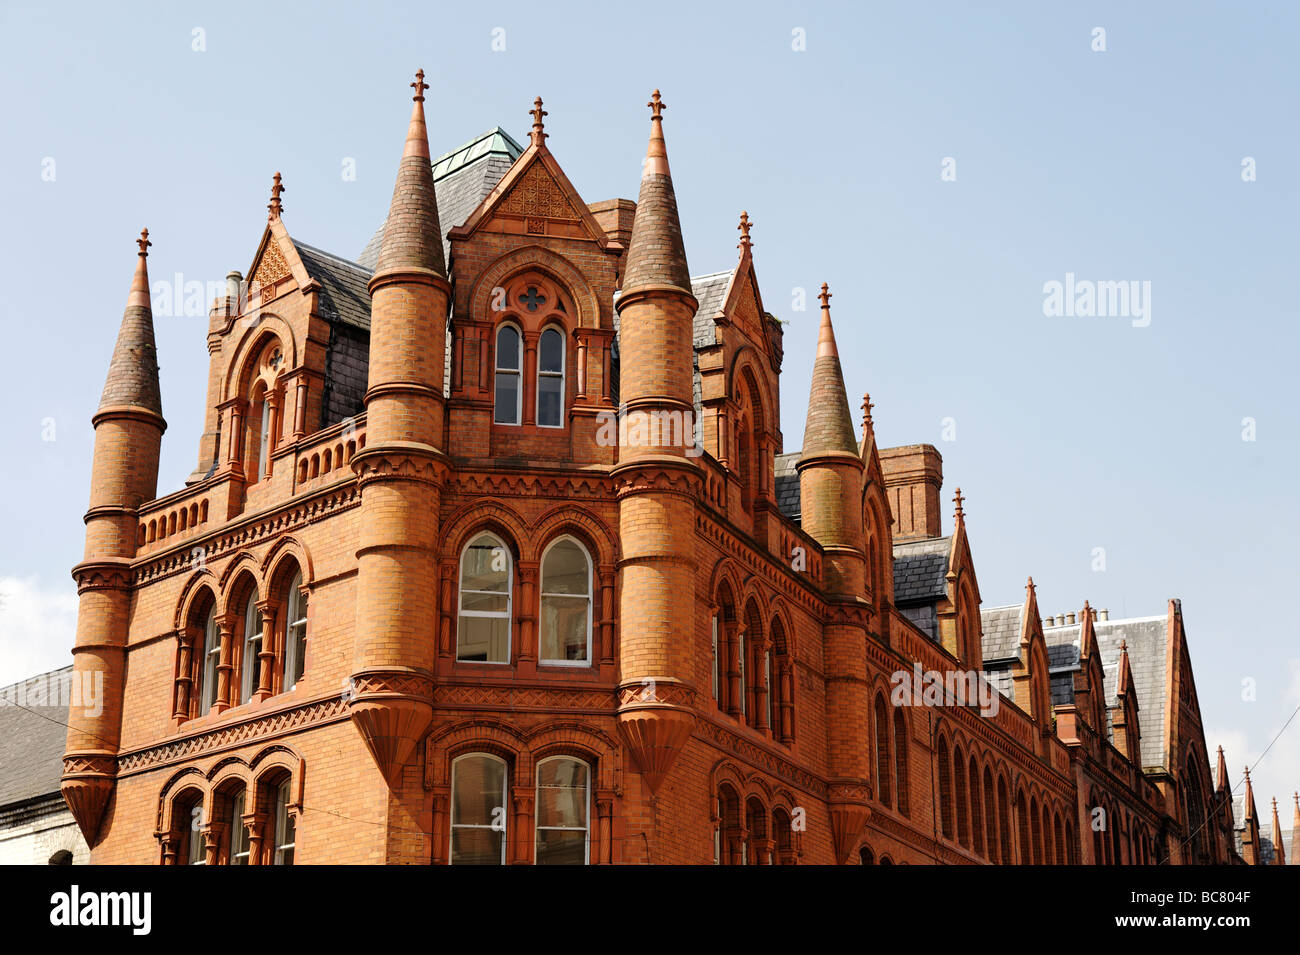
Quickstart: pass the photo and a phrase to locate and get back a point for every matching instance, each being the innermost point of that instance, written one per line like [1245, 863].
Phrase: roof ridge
[332, 255]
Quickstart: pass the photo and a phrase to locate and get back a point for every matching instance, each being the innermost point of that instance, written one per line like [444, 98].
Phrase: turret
[401, 469]
[1295, 831]
[128, 436]
[830, 486]
[656, 478]
[1279, 839]
[1250, 825]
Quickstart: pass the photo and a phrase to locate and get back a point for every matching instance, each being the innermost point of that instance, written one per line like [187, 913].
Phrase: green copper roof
[495, 140]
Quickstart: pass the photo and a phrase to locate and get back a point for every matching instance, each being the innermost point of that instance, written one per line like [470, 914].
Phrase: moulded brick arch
[748, 359]
[239, 374]
[272, 762]
[483, 514]
[476, 735]
[727, 570]
[285, 549]
[779, 610]
[756, 787]
[536, 258]
[726, 771]
[580, 741]
[598, 537]
[231, 580]
[182, 781]
[203, 583]
[225, 770]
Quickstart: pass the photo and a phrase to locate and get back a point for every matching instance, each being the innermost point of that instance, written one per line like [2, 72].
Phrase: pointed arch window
[286, 832]
[566, 604]
[483, 630]
[550, 379]
[478, 810]
[211, 658]
[509, 385]
[252, 660]
[563, 804]
[295, 633]
[264, 437]
[239, 842]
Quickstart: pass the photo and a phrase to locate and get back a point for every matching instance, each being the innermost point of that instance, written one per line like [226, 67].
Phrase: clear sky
[1067, 433]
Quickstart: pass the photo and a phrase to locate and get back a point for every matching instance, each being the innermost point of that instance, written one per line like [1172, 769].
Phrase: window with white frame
[286, 833]
[295, 634]
[566, 604]
[550, 379]
[478, 810]
[264, 437]
[563, 811]
[509, 380]
[192, 820]
[211, 658]
[714, 622]
[238, 831]
[252, 661]
[483, 628]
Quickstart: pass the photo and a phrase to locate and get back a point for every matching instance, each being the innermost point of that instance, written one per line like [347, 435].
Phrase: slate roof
[708, 291]
[32, 739]
[920, 569]
[344, 295]
[1001, 633]
[787, 485]
[462, 179]
[1147, 640]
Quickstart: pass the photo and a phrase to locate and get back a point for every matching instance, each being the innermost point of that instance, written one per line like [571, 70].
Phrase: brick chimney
[913, 479]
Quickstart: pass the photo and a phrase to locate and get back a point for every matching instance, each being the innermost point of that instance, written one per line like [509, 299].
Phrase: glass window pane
[565, 570]
[564, 628]
[550, 402]
[485, 566]
[508, 348]
[550, 352]
[483, 639]
[561, 847]
[484, 603]
[479, 789]
[562, 793]
[507, 399]
[476, 846]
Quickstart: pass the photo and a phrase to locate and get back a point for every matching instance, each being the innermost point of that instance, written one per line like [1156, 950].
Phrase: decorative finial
[657, 106]
[867, 423]
[825, 296]
[1220, 750]
[537, 113]
[1123, 646]
[745, 242]
[1247, 774]
[419, 86]
[1274, 804]
[958, 499]
[144, 243]
[1029, 586]
[275, 206]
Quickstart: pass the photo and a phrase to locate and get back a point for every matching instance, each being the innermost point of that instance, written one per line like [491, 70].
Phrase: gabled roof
[788, 498]
[710, 292]
[462, 179]
[1147, 639]
[921, 570]
[1001, 633]
[344, 294]
[33, 737]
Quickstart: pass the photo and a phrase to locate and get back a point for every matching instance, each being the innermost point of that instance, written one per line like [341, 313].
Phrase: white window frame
[505, 815]
[238, 831]
[211, 660]
[561, 374]
[517, 371]
[195, 850]
[461, 612]
[586, 805]
[586, 662]
[282, 821]
[264, 443]
[295, 631]
[250, 661]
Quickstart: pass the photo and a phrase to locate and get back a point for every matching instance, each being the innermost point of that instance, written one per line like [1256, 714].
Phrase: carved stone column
[607, 575]
[734, 685]
[605, 827]
[300, 408]
[267, 655]
[526, 612]
[225, 664]
[523, 842]
[184, 673]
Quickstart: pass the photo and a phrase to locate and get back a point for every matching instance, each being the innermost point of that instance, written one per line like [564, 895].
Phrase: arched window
[62, 857]
[945, 788]
[566, 604]
[264, 438]
[187, 822]
[563, 801]
[990, 819]
[478, 810]
[295, 632]
[960, 796]
[713, 621]
[483, 630]
[976, 807]
[252, 662]
[238, 849]
[884, 786]
[286, 833]
[744, 679]
[509, 390]
[901, 781]
[211, 657]
[550, 379]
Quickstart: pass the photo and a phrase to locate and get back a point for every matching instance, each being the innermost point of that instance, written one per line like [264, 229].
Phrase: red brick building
[427, 598]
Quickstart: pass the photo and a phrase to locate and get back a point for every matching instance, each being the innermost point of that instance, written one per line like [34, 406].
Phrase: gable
[534, 198]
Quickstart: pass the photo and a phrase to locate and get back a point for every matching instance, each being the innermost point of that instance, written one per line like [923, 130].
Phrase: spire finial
[538, 134]
[1029, 585]
[825, 296]
[657, 106]
[144, 243]
[275, 206]
[959, 500]
[746, 243]
[1123, 646]
[1247, 774]
[867, 423]
[419, 86]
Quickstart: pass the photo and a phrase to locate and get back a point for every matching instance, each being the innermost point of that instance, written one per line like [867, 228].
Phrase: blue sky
[1071, 433]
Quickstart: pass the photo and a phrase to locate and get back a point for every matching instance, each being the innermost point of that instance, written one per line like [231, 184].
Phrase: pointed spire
[1221, 774]
[656, 255]
[959, 516]
[413, 236]
[829, 425]
[538, 135]
[1125, 678]
[275, 206]
[1279, 841]
[1295, 831]
[1248, 799]
[746, 243]
[1029, 587]
[133, 369]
